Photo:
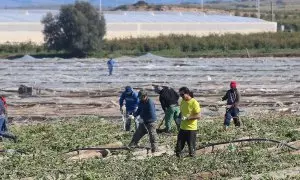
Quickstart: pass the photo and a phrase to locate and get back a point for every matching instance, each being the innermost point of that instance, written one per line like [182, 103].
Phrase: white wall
[123, 30]
[23, 32]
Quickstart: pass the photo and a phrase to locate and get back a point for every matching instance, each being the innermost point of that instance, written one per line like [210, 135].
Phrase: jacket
[110, 63]
[2, 108]
[131, 100]
[233, 97]
[168, 97]
[146, 110]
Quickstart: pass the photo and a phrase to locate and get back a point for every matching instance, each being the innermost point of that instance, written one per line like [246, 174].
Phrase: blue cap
[128, 89]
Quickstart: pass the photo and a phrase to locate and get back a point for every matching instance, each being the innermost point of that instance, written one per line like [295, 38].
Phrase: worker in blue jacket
[110, 65]
[147, 125]
[131, 104]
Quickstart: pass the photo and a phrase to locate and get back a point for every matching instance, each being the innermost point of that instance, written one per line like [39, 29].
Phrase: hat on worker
[142, 93]
[233, 84]
[157, 88]
[128, 89]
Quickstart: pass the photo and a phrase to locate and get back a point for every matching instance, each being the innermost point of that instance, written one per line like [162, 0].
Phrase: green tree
[237, 13]
[77, 29]
[254, 15]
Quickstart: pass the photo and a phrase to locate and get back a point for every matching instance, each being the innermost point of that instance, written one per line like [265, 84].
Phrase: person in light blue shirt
[110, 65]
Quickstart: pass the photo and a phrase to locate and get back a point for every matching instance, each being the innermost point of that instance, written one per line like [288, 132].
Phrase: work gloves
[183, 118]
[131, 117]
[229, 106]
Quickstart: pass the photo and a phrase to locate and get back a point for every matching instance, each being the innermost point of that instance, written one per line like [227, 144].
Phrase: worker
[146, 111]
[190, 114]
[131, 103]
[3, 119]
[232, 111]
[168, 98]
[110, 65]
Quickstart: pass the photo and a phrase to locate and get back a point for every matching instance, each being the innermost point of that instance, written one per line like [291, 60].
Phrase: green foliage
[290, 19]
[46, 143]
[290, 25]
[246, 15]
[253, 15]
[78, 29]
[28, 47]
[237, 13]
[187, 43]
[259, 44]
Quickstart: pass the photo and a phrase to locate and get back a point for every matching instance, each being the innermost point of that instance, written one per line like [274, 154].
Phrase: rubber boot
[237, 121]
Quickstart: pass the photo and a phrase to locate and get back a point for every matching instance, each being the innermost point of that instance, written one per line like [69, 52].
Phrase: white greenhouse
[25, 25]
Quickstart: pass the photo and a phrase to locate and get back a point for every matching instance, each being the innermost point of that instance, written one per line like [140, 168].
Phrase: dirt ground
[75, 87]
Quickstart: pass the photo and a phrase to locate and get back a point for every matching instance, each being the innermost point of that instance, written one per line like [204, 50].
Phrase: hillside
[143, 6]
[219, 5]
[116, 3]
[113, 3]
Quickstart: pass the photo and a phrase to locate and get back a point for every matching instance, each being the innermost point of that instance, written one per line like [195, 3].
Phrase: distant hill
[116, 3]
[105, 3]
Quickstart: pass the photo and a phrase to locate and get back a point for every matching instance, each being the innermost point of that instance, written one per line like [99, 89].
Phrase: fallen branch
[248, 140]
[107, 148]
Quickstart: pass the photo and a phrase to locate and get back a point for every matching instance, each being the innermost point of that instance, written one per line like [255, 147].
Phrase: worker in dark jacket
[232, 111]
[168, 98]
[146, 111]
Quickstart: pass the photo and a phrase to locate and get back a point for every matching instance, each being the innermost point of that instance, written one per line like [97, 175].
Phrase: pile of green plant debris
[45, 146]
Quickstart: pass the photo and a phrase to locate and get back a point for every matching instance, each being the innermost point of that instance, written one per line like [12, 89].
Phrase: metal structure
[258, 8]
[100, 8]
[272, 12]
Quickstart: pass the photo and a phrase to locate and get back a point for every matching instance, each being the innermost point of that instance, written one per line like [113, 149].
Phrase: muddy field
[73, 87]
